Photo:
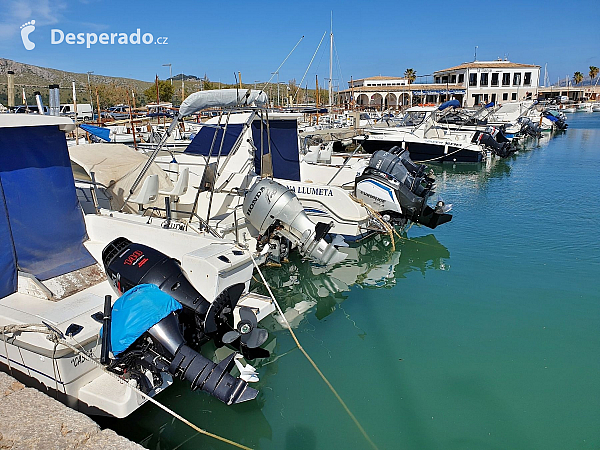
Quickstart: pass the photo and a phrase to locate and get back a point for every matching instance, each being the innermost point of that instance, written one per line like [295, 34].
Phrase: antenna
[476, 47]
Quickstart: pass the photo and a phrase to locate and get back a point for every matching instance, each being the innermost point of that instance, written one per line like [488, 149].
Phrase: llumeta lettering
[309, 190]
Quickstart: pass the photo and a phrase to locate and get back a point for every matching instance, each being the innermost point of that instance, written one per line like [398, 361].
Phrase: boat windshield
[413, 118]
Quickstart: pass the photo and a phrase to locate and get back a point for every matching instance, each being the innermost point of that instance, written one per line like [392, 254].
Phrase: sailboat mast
[331, 62]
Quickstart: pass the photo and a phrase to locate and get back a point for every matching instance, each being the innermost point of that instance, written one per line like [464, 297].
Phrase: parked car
[84, 111]
[117, 112]
[22, 109]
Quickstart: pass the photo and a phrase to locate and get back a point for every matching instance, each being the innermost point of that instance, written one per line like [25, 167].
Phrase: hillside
[113, 90]
[34, 78]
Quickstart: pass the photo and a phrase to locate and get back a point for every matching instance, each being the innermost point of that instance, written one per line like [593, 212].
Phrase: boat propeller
[249, 335]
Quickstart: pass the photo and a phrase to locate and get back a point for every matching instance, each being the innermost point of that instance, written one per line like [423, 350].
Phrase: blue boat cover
[40, 206]
[101, 132]
[489, 105]
[453, 103]
[201, 143]
[551, 117]
[137, 310]
[8, 262]
[284, 148]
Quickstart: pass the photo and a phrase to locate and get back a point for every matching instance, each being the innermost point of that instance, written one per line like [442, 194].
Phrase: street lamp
[90, 92]
[170, 73]
[277, 73]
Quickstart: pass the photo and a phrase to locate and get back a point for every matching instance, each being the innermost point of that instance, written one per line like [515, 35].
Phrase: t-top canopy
[221, 98]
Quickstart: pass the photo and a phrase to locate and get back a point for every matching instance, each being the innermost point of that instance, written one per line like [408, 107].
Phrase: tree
[110, 95]
[165, 91]
[593, 72]
[577, 77]
[411, 74]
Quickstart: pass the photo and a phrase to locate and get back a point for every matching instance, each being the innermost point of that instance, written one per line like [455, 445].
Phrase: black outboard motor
[502, 149]
[529, 128]
[164, 347]
[558, 119]
[394, 185]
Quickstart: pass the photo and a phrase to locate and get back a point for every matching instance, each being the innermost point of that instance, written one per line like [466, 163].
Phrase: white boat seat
[149, 191]
[181, 185]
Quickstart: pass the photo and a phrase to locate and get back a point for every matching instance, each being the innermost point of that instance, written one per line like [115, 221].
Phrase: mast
[331, 62]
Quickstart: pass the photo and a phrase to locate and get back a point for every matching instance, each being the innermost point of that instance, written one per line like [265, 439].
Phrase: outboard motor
[502, 149]
[557, 118]
[277, 214]
[394, 185]
[529, 128]
[162, 320]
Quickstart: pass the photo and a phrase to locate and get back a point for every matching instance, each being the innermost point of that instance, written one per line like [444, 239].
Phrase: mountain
[34, 78]
[185, 77]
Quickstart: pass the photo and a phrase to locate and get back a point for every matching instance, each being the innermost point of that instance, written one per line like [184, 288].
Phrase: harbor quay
[34, 420]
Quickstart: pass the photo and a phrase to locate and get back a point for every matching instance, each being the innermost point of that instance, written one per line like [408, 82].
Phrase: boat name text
[311, 190]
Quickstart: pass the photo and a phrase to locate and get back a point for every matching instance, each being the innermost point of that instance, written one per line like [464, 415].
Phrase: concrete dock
[33, 420]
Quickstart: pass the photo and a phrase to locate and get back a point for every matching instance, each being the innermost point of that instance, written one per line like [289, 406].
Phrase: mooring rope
[390, 230]
[310, 360]
[55, 337]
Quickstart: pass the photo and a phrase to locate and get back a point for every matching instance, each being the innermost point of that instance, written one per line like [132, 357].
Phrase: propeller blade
[230, 337]
[235, 292]
[253, 353]
[256, 338]
[248, 315]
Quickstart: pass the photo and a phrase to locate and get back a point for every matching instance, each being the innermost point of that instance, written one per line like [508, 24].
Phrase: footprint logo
[26, 30]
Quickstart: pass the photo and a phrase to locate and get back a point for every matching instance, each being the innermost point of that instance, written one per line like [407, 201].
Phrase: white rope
[55, 337]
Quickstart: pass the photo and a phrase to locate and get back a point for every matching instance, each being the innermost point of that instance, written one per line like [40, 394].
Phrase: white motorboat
[176, 290]
[430, 141]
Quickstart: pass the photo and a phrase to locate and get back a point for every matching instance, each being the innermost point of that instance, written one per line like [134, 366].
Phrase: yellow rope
[310, 360]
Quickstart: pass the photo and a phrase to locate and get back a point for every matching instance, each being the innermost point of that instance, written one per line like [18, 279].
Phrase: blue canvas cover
[8, 262]
[101, 132]
[284, 148]
[135, 312]
[449, 103]
[41, 204]
[201, 143]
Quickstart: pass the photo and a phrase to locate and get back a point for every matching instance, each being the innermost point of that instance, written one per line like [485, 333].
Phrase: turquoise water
[483, 334]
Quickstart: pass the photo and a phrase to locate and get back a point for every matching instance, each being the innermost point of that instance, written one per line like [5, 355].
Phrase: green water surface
[481, 334]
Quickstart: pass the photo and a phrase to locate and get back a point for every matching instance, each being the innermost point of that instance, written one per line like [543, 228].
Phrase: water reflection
[301, 286]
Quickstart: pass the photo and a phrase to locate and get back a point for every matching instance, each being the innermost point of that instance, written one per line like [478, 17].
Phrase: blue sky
[371, 38]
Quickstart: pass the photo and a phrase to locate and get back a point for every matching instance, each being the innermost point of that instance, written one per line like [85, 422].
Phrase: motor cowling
[171, 342]
[274, 209]
[502, 149]
[393, 184]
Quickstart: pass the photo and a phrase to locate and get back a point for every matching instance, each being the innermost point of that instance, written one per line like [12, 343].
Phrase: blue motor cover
[136, 311]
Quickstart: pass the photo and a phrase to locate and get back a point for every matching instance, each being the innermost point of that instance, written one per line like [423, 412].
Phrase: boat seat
[148, 193]
[181, 185]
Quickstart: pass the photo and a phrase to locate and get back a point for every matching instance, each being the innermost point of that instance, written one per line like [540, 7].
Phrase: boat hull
[426, 152]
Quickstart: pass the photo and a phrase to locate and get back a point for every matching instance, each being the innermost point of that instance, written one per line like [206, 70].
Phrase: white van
[84, 111]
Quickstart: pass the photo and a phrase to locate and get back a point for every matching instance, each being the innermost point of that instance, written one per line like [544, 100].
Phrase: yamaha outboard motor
[275, 211]
[169, 320]
[394, 185]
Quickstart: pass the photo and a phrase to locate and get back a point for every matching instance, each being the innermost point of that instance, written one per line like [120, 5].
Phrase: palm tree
[411, 74]
[593, 73]
[577, 77]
